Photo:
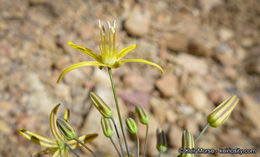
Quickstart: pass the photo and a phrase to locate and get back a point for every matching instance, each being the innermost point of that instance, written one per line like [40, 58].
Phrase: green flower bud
[131, 125]
[106, 127]
[143, 117]
[187, 143]
[101, 106]
[161, 140]
[222, 112]
[66, 130]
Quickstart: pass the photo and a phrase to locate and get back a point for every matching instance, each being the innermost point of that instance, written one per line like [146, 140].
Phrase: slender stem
[146, 135]
[202, 132]
[159, 153]
[118, 137]
[72, 150]
[85, 146]
[117, 108]
[138, 145]
[115, 146]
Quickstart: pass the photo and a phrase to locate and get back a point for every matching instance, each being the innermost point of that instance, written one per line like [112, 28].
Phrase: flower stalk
[117, 108]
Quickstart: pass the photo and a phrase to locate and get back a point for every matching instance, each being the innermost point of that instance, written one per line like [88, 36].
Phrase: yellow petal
[79, 65]
[57, 154]
[84, 50]
[125, 51]
[141, 61]
[66, 152]
[47, 151]
[53, 124]
[42, 141]
[85, 139]
[67, 115]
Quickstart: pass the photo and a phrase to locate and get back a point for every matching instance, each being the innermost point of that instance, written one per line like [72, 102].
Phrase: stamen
[99, 24]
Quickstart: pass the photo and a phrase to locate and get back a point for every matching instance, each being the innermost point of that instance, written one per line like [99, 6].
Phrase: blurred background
[208, 49]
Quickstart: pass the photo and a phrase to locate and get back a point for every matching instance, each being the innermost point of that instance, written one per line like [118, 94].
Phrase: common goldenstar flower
[109, 55]
[59, 146]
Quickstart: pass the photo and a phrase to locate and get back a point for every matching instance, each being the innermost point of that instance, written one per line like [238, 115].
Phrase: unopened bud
[161, 140]
[222, 112]
[131, 125]
[101, 106]
[106, 127]
[187, 143]
[143, 117]
[66, 130]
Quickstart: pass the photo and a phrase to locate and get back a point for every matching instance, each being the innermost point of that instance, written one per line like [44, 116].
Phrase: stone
[192, 64]
[252, 109]
[197, 98]
[206, 5]
[177, 41]
[175, 136]
[252, 62]
[137, 24]
[225, 34]
[226, 59]
[217, 95]
[158, 108]
[135, 98]
[137, 82]
[167, 85]
[202, 43]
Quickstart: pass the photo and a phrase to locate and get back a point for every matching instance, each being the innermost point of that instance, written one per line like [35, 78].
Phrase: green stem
[138, 145]
[159, 153]
[146, 135]
[115, 147]
[202, 132]
[85, 146]
[117, 108]
[72, 150]
[118, 137]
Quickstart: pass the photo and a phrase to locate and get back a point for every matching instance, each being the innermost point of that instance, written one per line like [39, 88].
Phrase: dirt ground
[209, 51]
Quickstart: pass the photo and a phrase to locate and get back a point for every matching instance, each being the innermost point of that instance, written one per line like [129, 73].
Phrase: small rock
[217, 95]
[202, 43]
[247, 42]
[171, 116]
[138, 22]
[159, 107]
[197, 98]
[167, 85]
[147, 50]
[138, 82]
[175, 136]
[177, 41]
[225, 34]
[192, 64]
[135, 98]
[252, 112]
[226, 59]
[252, 62]
[208, 5]
[231, 73]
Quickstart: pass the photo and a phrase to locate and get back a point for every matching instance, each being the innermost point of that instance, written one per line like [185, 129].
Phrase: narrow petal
[67, 115]
[53, 124]
[42, 141]
[46, 151]
[84, 50]
[125, 51]
[66, 152]
[85, 139]
[57, 154]
[141, 61]
[79, 65]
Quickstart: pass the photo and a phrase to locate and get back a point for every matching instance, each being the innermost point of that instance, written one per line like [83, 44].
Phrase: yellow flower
[109, 55]
[59, 146]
